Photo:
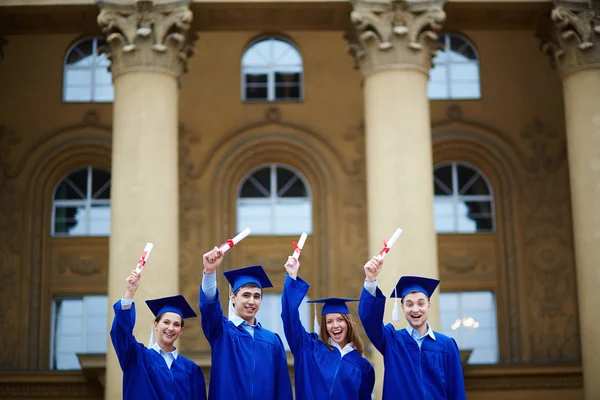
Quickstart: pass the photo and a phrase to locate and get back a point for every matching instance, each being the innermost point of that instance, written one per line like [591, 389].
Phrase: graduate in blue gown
[248, 361]
[332, 366]
[420, 364]
[157, 372]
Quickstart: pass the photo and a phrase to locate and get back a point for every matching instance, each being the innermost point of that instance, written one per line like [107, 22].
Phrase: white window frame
[447, 63]
[456, 199]
[88, 202]
[89, 68]
[270, 69]
[273, 200]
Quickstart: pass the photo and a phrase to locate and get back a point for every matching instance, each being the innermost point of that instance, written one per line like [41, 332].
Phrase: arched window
[455, 72]
[86, 75]
[274, 200]
[464, 202]
[271, 71]
[81, 204]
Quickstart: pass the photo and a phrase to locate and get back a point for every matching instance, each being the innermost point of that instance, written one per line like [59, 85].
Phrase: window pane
[256, 93]
[104, 93]
[293, 218]
[99, 220]
[100, 184]
[295, 190]
[251, 190]
[466, 71]
[74, 94]
[80, 326]
[465, 90]
[465, 176]
[67, 190]
[256, 216]
[443, 177]
[78, 77]
[262, 178]
[437, 90]
[81, 54]
[67, 220]
[287, 93]
[253, 79]
[470, 318]
[103, 76]
[438, 74]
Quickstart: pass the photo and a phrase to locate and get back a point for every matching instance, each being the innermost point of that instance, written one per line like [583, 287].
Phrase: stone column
[576, 54]
[393, 47]
[149, 47]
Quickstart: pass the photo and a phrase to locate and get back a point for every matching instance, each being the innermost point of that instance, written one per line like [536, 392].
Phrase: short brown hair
[352, 336]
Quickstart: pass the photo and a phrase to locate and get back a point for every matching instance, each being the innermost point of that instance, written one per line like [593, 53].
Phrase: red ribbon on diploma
[385, 248]
[229, 242]
[298, 249]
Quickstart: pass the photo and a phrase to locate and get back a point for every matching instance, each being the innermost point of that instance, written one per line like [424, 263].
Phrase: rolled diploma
[144, 257]
[390, 242]
[300, 245]
[238, 238]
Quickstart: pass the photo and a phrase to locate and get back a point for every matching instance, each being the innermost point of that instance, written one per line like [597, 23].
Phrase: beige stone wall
[515, 135]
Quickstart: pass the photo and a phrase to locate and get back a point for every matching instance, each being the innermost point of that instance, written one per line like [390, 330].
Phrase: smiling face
[246, 302]
[337, 328]
[416, 307]
[167, 329]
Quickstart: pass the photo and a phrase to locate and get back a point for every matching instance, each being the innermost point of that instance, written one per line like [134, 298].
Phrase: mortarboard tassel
[151, 341]
[230, 309]
[316, 327]
[395, 312]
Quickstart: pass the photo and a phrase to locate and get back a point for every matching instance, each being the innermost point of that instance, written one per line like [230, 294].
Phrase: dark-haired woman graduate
[331, 365]
[156, 372]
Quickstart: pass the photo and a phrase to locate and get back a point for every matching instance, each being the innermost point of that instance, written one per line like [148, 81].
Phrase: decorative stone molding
[147, 36]
[395, 33]
[574, 40]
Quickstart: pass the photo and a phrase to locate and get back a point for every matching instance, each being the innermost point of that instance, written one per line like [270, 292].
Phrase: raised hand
[212, 260]
[132, 283]
[291, 266]
[373, 268]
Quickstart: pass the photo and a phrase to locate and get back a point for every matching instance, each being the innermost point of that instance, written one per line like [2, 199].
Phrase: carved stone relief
[554, 330]
[10, 260]
[394, 33]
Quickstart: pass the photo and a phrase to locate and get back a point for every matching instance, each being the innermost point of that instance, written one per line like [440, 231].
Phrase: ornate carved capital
[146, 35]
[574, 43]
[395, 33]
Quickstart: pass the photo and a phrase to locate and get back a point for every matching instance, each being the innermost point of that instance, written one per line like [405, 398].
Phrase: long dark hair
[352, 336]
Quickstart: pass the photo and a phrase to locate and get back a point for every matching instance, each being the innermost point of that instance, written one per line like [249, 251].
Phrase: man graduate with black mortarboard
[248, 361]
[420, 364]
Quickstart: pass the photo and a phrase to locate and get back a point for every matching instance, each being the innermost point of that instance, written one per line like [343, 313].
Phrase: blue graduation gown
[146, 375]
[242, 366]
[321, 373]
[433, 372]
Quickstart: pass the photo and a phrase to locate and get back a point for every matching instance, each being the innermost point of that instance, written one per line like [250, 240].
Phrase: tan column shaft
[582, 107]
[149, 47]
[144, 197]
[400, 181]
[392, 46]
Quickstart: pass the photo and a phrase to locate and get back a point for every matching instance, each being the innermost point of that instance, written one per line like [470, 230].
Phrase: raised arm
[210, 306]
[372, 305]
[294, 290]
[121, 333]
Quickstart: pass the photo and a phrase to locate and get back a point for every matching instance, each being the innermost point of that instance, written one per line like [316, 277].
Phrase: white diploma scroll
[299, 245]
[232, 242]
[144, 257]
[388, 245]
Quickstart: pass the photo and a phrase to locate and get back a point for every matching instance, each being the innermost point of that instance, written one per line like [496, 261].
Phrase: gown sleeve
[198, 384]
[454, 372]
[370, 311]
[283, 382]
[212, 316]
[121, 335]
[367, 384]
[294, 291]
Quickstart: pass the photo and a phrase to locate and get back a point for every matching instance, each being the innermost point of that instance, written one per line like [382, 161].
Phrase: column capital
[148, 36]
[395, 33]
[574, 40]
